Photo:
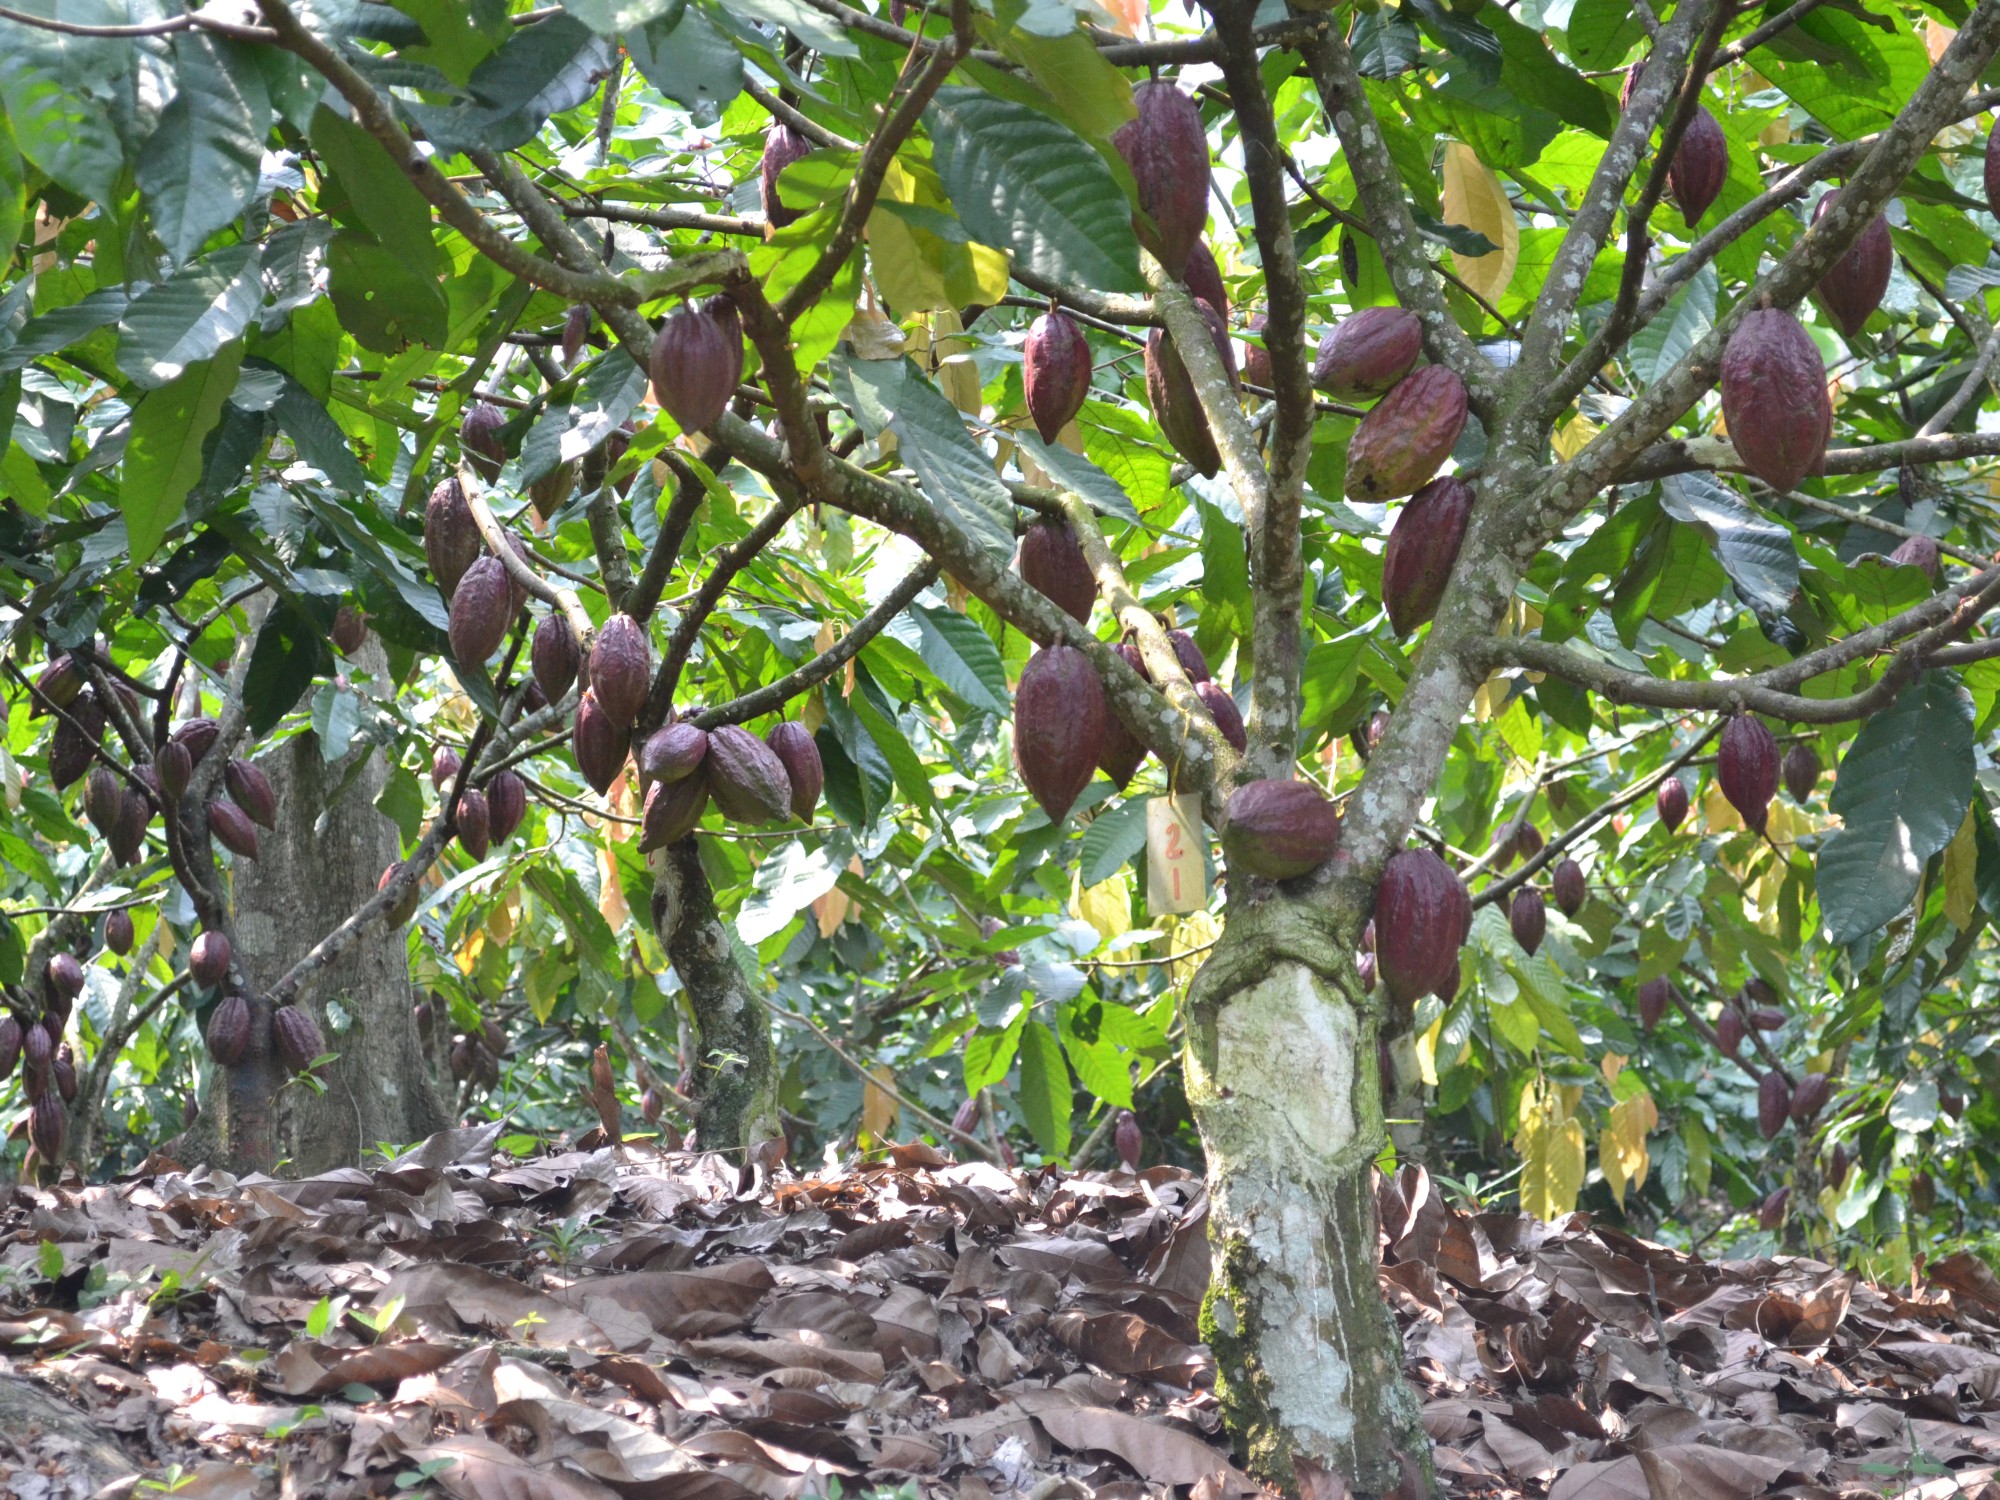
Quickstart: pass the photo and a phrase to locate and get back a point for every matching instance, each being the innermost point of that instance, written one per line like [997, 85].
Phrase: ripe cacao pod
[696, 365]
[1166, 146]
[1730, 1029]
[576, 328]
[1670, 802]
[1188, 654]
[1774, 398]
[118, 933]
[1810, 1097]
[1051, 562]
[128, 835]
[1127, 1138]
[782, 146]
[65, 976]
[232, 829]
[229, 1030]
[621, 669]
[10, 1046]
[73, 746]
[56, 685]
[1746, 767]
[793, 744]
[1655, 995]
[480, 441]
[1993, 172]
[1399, 445]
[251, 790]
[745, 776]
[38, 1046]
[175, 767]
[1801, 771]
[297, 1036]
[506, 805]
[451, 537]
[650, 1105]
[444, 767]
[208, 959]
[63, 1069]
[103, 798]
[1918, 552]
[1367, 352]
[474, 822]
[1123, 751]
[1423, 915]
[1368, 936]
[46, 1125]
[405, 905]
[1228, 718]
[966, 1116]
[1203, 279]
[1767, 1018]
[1055, 372]
[197, 736]
[1571, 890]
[1700, 167]
[673, 811]
[672, 753]
[1852, 287]
[1278, 830]
[1771, 1212]
[1757, 990]
[461, 1059]
[1837, 1163]
[1061, 722]
[1170, 392]
[599, 744]
[556, 657]
[1378, 726]
[1527, 841]
[1256, 360]
[1774, 1104]
[350, 629]
[481, 611]
[1422, 550]
[1528, 917]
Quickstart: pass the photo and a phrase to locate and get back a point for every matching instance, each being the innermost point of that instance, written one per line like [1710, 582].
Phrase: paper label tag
[1176, 873]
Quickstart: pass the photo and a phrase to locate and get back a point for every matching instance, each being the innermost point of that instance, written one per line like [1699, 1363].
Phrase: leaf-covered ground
[617, 1323]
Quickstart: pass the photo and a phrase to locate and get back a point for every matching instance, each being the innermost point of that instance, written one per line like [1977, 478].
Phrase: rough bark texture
[735, 1065]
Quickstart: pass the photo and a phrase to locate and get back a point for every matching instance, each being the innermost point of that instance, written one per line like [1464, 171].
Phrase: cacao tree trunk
[734, 1065]
[1281, 1074]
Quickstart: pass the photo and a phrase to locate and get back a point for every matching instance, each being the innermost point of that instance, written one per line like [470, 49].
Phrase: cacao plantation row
[1288, 592]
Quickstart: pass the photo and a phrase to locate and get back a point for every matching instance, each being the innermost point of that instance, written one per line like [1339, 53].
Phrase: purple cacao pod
[444, 768]
[10, 1046]
[1810, 1098]
[1993, 172]
[1700, 167]
[481, 611]
[1801, 771]
[128, 834]
[297, 1036]
[73, 745]
[673, 811]
[46, 1126]
[1746, 767]
[62, 1067]
[1364, 969]
[674, 752]
[1279, 830]
[1203, 279]
[1837, 1163]
[793, 744]
[1228, 718]
[1730, 1029]
[966, 1117]
[1399, 445]
[405, 905]
[103, 798]
[1422, 550]
[1051, 561]
[1767, 1018]
[208, 959]
[232, 828]
[1188, 654]
[1060, 724]
[650, 1105]
[1918, 552]
[1923, 1192]
[1528, 916]
[480, 441]
[1569, 886]
[599, 744]
[576, 328]
[229, 1030]
[65, 976]
[1123, 751]
[1774, 398]
[451, 537]
[1128, 1139]
[1367, 352]
[621, 669]
[696, 365]
[1378, 726]
[782, 146]
[506, 805]
[175, 767]
[745, 776]
[1055, 371]
[350, 629]
[474, 822]
[1774, 1104]
[1423, 915]
[1170, 391]
[1256, 358]
[56, 685]
[197, 736]
[556, 657]
[38, 1046]
[1655, 995]
[1670, 802]
[118, 933]
[1771, 1212]
[1166, 147]
[251, 790]
[1853, 286]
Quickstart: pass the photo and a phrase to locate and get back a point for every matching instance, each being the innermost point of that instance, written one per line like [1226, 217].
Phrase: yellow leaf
[1107, 906]
[467, 956]
[814, 713]
[1568, 440]
[1961, 897]
[1610, 1163]
[1621, 1148]
[1553, 1168]
[879, 1109]
[1716, 811]
[1474, 197]
[1612, 1066]
[1189, 934]
[1427, 1045]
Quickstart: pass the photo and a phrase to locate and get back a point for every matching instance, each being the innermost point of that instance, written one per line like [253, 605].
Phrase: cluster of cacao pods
[683, 767]
[1401, 443]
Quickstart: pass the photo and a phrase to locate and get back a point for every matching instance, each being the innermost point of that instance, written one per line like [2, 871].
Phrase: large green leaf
[1079, 476]
[1114, 836]
[163, 453]
[963, 656]
[689, 61]
[1045, 1089]
[291, 651]
[200, 167]
[64, 326]
[1758, 555]
[1902, 791]
[1675, 329]
[373, 191]
[1027, 184]
[613, 16]
[58, 93]
[185, 320]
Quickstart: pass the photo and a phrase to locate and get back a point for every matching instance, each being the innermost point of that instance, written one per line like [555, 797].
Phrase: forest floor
[614, 1322]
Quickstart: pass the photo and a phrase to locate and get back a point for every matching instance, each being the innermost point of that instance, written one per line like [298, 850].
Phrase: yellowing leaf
[1106, 906]
[1701, 1163]
[879, 1109]
[1552, 1168]
[1961, 897]
[1427, 1053]
[1568, 440]
[1612, 1066]
[1717, 813]
[467, 956]
[1621, 1149]
[1474, 197]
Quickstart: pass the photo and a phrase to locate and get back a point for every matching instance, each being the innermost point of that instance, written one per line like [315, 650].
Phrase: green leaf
[788, 880]
[318, 438]
[291, 650]
[1027, 184]
[13, 951]
[1902, 790]
[23, 481]
[823, 36]
[58, 92]
[1085, 89]
[1079, 476]
[989, 1055]
[1531, 71]
[163, 454]
[1675, 329]
[613, 16]
[1045, 1089]
[963, 656]
[954, 472]
[187, 319]
[1385, 42]
[384, 300]
[62, 327]
[1114, 837]
[690, 62]
[374, 191]
[200, 167]
[49, 1260]
[1759, 556]
[1225, 570]
[541, 70]
[1602, 32]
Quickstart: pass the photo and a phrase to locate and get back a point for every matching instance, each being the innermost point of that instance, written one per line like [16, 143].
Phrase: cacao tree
[647, 470]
